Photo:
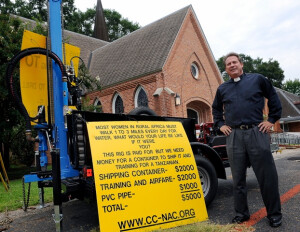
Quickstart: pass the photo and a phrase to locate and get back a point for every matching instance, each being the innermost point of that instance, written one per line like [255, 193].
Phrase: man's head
[233, 65]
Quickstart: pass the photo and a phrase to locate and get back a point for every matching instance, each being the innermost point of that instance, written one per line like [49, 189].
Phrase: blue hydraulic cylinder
[60, 91]
[43, 146]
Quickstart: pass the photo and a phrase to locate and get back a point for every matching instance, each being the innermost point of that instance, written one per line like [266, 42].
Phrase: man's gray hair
[232, 54]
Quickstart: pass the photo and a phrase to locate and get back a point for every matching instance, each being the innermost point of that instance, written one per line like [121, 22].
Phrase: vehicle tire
[208, 179]
[142, 111]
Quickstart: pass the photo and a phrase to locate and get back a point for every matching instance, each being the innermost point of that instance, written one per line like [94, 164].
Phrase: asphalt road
[288, 168]
[80, 216]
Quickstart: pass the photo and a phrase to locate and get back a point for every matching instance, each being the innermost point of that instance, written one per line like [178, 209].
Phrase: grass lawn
[13, 199]
[205, 226]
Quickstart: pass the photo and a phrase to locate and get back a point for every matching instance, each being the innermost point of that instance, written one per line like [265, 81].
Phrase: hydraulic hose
[10, 82]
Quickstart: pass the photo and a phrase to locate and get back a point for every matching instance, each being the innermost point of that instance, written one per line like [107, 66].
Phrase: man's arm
[218, 111]
[274, 106]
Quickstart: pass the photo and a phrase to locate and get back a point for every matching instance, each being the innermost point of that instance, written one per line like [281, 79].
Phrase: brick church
[167, 66]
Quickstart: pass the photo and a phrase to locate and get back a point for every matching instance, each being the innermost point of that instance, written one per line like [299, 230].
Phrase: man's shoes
[275, 222]
[240, 219]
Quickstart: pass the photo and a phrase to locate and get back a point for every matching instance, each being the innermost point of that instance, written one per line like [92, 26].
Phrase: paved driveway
[288, 168]
[80, 216]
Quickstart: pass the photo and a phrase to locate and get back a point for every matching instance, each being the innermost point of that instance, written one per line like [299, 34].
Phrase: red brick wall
[127, 91]
[294, 127]
[190, 46]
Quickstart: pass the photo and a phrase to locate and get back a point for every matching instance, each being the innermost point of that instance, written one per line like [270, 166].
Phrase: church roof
[87, 44]
[290, 105]
[140, 53]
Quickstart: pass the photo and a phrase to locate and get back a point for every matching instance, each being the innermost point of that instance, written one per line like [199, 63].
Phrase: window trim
[96, 101]
[137, 92]
[196, 66]
[114, 102]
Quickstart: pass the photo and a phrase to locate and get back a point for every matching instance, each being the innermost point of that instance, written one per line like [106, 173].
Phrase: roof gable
[288, 100]
[138, 54]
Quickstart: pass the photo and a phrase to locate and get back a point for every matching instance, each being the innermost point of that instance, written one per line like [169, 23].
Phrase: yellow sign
[33, 72]
[145, 175]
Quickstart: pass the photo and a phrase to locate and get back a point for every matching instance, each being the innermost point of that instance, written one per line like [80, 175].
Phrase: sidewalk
[286, 151]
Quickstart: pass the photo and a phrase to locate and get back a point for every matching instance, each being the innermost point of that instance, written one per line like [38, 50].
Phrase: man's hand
[265, 126]
[225, 129]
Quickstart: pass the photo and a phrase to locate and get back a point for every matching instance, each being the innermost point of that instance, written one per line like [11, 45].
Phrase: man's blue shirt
[242, 102]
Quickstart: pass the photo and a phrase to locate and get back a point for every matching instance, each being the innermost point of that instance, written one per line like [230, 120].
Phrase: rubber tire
[142, 111]
[208, 179]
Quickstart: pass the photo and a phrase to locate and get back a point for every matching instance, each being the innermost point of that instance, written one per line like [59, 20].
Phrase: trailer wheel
[208, 179]
[142, 111]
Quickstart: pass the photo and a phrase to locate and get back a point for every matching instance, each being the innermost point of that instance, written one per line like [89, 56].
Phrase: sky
[268, 29]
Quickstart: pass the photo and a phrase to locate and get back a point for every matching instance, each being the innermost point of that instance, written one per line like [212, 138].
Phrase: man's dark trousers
[246, 147]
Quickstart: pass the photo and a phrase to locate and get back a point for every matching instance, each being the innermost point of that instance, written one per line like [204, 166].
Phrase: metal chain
[25, 201]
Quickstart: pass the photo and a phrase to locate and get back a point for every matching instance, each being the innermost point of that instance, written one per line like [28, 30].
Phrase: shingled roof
[140, 53]
[290, 111]
[87, 44]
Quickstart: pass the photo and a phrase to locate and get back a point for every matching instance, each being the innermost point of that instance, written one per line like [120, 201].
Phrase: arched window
[193, 114]
[97, 105]
[117, 104]
[140, 98]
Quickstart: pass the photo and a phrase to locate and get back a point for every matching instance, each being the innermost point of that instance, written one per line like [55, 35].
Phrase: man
[238, 112]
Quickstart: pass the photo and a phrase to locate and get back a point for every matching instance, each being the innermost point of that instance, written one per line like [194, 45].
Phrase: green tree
[73, 19]
[83, 23]
[270, 69]
[117, 26]
[11, 34]
[292, 86]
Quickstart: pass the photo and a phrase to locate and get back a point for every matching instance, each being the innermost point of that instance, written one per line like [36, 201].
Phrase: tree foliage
[270, 69]
[73, 19]
[117, 26]
[10, 120]
[292, 86]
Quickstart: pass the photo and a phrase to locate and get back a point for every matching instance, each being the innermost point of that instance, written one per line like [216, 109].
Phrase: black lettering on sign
[189, 176]
[162, 136]
[108, 197]
[125, 195]
[153, 131]
[116, 185]
[105, 161]
[140, 182]
[100, 127]
[142, 126]
[119, 126]
[108, 154]
[113, 208]
[102, 137]
[105, 132]
[113, 175]
[178, 149]
[172, 156]
[125, 166]
[178, 135]
[160, 180]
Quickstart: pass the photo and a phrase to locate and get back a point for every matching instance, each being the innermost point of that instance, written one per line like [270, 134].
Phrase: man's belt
[244, 127]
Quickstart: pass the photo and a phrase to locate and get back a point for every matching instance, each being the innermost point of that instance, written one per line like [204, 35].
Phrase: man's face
[233, 67]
